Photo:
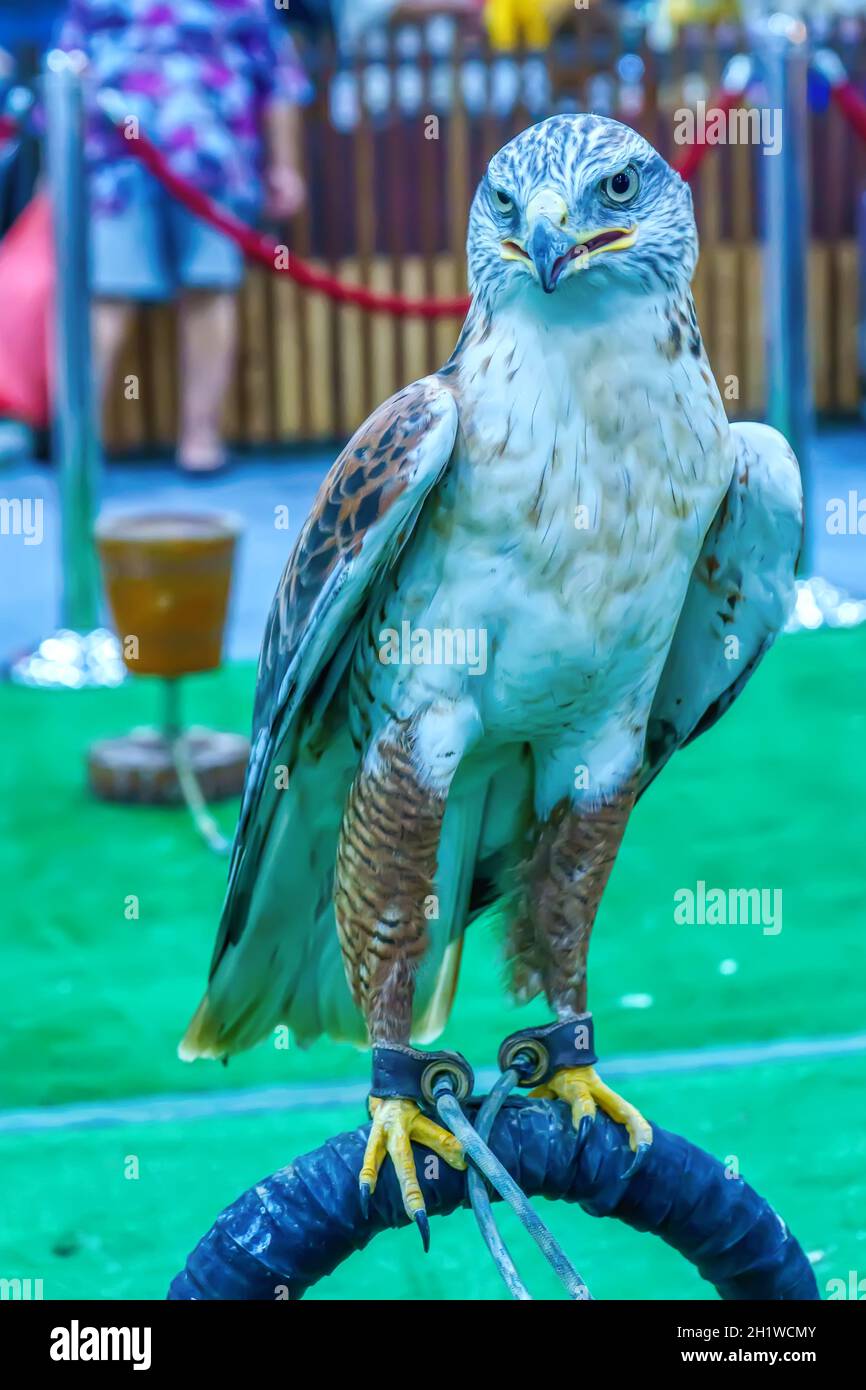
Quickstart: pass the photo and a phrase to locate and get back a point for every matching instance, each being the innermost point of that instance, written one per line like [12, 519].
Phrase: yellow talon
[583, 1089]
[396, 1122]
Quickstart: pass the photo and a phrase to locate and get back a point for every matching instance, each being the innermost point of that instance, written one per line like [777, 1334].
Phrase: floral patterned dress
[197, 74]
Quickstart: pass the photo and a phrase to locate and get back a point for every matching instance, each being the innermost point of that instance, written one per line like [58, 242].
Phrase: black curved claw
[640, 1154]
[586, 1123]
[364, 1195]
[422, 1222]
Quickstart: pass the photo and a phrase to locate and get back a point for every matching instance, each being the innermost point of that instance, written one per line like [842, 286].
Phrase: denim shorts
[153, 248]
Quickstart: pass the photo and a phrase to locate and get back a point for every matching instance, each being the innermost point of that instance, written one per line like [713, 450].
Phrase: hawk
[527, 580]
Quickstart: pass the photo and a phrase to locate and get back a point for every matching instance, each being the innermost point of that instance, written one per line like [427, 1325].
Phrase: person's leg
[209, 268]
[127, 263]
[208, 334]
[109, 324]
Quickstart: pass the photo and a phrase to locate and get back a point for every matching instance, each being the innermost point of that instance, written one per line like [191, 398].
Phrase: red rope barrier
[851, 102]
[692, 158]
[9, 128]
[259, 247]
[846, 96]
[263, 249]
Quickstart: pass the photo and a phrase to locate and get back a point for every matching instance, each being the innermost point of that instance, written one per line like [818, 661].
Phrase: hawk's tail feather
[434, 1018]
[208, 1036]
[201, 1038]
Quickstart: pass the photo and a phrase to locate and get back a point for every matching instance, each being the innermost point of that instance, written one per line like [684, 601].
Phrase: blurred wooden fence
[394, 147]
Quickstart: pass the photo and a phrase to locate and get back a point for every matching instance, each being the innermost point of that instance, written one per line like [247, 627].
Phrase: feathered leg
[386, 862]
[561, 888]
[548, 943]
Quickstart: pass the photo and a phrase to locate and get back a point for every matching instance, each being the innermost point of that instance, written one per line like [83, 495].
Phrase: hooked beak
[551, 249]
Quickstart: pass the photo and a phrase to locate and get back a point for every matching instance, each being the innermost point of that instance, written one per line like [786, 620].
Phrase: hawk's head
[574, 210]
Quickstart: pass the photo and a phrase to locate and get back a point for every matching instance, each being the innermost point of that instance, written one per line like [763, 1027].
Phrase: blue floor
[30, 574]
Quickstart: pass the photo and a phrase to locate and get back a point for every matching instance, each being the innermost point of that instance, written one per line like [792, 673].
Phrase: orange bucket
[168, 576]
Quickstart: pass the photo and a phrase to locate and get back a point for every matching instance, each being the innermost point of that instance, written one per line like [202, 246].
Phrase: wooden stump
[139, 768]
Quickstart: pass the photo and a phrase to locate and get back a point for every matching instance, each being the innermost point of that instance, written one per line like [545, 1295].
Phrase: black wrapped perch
[298, 1225]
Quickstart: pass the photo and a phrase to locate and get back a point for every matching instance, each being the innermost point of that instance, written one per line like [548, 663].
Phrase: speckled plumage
[568, 489]
[386, 863]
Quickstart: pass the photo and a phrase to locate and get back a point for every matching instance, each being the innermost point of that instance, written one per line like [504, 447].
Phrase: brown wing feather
[362, 485]
[363, 515]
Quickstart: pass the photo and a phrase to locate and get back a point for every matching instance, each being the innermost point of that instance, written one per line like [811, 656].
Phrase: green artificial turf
[771, 798]
[93, 1002]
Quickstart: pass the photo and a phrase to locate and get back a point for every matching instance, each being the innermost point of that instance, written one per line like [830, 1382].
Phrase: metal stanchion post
[785, 66]
[827, 62]
[75, 446]
[81, 653]
[781, 45]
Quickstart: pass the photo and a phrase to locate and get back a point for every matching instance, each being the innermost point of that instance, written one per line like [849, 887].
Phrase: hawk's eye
[501, 201]
[622, 187]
